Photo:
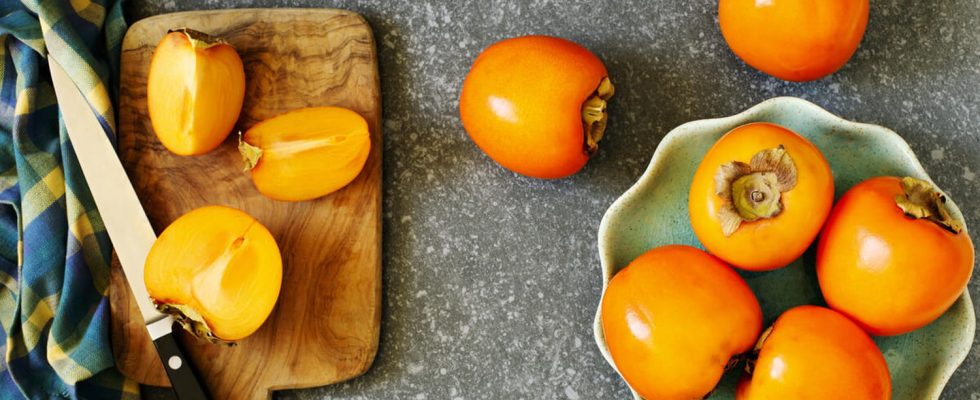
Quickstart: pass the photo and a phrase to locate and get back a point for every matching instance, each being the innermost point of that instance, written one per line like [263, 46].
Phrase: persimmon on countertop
[795, 40]
[536, 105]
[195, 89]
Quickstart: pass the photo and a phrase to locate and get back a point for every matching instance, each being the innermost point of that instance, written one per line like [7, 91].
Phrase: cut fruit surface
[195, 91]
[306, 153]
[217, 270]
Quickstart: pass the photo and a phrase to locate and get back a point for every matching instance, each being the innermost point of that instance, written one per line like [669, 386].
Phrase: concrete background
[491, 280]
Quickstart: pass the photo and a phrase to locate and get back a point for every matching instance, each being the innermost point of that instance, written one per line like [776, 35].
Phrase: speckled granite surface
[490, 279]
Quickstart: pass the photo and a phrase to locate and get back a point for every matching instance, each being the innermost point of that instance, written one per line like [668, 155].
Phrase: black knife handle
[182, 377]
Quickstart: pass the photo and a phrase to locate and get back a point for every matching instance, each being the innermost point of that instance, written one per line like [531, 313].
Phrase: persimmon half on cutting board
[217, 270]
[195, 90]
[306, 153]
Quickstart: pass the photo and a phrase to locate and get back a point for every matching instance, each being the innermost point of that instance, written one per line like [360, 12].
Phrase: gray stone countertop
[491, 280]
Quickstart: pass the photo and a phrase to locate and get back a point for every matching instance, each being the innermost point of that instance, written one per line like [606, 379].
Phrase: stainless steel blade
[121, 211]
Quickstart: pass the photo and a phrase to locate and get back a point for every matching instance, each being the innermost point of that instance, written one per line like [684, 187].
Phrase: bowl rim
[688, 129]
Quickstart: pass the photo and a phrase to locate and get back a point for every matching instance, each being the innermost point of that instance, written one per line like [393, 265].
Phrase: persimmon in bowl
[654, 212]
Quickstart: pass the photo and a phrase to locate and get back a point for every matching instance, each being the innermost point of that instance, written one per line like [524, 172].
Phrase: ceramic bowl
[654, 212]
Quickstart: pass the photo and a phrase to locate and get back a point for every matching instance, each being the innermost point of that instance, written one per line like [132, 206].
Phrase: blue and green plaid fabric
[54, 251]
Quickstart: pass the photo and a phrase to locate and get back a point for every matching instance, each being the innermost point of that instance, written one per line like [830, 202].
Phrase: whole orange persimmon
[674, 318]
[760, 196]
[892, 255]
[814, 353]
[795, 40]
[195, 90]
[536, 105]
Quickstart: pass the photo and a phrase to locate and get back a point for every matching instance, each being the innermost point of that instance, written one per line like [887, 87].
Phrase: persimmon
[814, 353]
[795, 40]
[536, 105]
[892, 256]
[760, 196]
[673, 320]
[306, 153]
[195, 89]
[217, 270]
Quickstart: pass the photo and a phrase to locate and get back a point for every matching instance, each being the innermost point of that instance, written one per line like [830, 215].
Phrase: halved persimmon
[217, 270]
[760, 196]
[195, 89]
[306, 153]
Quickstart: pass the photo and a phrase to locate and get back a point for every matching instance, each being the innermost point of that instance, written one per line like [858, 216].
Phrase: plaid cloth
[54, 251]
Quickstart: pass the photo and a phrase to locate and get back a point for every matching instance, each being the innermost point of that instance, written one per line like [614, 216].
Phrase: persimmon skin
[194, 93]
[221, 263]
[795, 40]
[309, 153]
[521, 103]
[771, 243]
[673, 318]
[814, 353]
[890, 273]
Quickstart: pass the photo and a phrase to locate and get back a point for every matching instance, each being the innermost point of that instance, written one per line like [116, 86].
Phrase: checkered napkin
[54, 251]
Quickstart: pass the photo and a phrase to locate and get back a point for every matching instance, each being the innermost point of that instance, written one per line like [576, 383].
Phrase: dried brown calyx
[250, 154]
[198, 39]
[752, 356]
[754, 191]
[192, 321]
[594, 115]
[921, 200]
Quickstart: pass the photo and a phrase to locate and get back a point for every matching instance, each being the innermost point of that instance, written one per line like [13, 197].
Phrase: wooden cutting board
[326, 324]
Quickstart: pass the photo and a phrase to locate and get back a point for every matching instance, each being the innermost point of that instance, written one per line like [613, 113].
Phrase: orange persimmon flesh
[217, 270]
[195, 90]
[306, 153]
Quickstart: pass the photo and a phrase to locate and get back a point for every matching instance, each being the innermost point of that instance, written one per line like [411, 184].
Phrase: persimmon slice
[306, 153]
[217, 270]
[195, 90]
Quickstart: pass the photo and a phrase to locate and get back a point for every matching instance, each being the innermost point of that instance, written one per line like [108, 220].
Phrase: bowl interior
[654, 212]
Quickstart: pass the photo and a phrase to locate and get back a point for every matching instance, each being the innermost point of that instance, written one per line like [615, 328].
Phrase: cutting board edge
[143, 23]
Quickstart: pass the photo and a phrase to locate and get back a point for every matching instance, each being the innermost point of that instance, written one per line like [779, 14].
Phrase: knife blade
[125, 221]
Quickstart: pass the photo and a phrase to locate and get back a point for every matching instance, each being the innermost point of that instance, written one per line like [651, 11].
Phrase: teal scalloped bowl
[654, 212]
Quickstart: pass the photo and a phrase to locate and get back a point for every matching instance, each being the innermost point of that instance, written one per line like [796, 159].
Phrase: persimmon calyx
[594, 115]
[733, 362]
[198, 39]
[922, 200]
[753, 355]
[191, 320]
[250, 154]
[753, 191]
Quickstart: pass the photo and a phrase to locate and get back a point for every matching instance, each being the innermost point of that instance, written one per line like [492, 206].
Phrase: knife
[124, 219]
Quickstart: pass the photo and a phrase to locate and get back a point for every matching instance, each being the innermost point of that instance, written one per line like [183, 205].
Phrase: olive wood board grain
[325, 326]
